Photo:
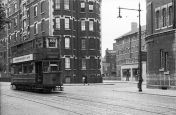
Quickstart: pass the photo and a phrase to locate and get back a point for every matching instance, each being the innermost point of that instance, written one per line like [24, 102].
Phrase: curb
[145, 93]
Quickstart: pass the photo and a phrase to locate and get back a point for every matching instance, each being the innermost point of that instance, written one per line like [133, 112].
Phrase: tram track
[101, 103]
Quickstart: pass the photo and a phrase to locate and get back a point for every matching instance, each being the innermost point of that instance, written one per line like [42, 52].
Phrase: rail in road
[79, 104]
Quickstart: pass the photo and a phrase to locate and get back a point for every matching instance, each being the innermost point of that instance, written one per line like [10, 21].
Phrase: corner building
[71, 25]
[161, 43]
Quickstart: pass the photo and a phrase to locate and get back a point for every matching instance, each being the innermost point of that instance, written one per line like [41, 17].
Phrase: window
[35, 28]
[57, 4]
[170, 15]
[82, 6]
[83, 25]
[42, 6]
[24, 24]
[92, 43]
[83, 44]
[164, 17]
[157, 19]
[66, 4]
[161, 58]
[67, 23]
[15, 6]
[57, 23]
[15, 21]
[35, 11]
[67, 43]
[91, 6]
[42, 25]
[83, 63]
[166, 61]
[67, 63]
[15, 36]
[52, 42]
[28, 13]
[91, 25]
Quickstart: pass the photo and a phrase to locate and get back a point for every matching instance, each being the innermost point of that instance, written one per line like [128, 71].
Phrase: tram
[35, 66]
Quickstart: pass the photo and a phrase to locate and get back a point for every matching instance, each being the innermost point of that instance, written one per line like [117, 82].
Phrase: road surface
[93, 99]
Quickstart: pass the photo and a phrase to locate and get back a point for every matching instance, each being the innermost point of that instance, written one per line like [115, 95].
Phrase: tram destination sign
[23, 58]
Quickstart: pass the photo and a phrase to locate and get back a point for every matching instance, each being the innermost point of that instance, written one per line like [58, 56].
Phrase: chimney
[134, 26]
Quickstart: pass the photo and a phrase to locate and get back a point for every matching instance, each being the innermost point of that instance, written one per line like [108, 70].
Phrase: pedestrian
[83, 80]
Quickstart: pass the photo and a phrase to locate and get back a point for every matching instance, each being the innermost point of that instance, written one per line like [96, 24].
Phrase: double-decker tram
[36, 64]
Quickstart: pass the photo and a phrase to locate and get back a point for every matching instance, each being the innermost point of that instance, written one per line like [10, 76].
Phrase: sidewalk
[161, 92]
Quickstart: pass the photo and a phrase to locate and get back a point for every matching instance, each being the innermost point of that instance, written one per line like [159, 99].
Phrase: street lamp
[140, 53]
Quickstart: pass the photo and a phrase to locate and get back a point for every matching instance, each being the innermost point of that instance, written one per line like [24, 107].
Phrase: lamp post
[140, 53]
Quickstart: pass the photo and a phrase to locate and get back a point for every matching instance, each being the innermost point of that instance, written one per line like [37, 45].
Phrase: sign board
[23, 58]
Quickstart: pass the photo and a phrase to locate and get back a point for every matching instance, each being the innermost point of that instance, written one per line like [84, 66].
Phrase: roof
[143, 28]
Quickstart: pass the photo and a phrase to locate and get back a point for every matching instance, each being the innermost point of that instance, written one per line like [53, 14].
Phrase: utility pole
[140, 80]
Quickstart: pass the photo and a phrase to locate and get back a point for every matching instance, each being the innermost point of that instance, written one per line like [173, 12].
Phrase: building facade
[3, 49]
[109, 64]
[161, 45]
[127, 52]
[73, 24]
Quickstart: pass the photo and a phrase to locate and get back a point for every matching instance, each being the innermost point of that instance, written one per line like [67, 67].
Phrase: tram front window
[50, 66]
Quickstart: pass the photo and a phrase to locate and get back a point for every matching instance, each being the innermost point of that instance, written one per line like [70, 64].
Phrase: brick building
[109, 64]
[3, 49]
[161, 45]
[73, 24]
[127, 51]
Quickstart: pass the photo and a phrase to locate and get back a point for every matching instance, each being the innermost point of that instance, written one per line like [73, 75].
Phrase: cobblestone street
[110, 98]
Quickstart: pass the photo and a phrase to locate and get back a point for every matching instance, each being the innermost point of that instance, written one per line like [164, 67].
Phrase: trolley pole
[140, 79]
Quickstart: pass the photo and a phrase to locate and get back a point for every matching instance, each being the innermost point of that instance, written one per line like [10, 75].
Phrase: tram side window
[20, 69]
[25, 68]
[31, 68]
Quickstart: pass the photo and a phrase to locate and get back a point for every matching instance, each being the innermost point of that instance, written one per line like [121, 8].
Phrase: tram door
[38, 66]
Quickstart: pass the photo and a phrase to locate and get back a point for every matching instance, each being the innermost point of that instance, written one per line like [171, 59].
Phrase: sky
[113, 27]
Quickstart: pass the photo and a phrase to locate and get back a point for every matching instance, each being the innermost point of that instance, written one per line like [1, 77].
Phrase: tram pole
[140, 79]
